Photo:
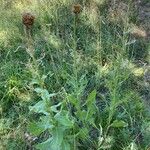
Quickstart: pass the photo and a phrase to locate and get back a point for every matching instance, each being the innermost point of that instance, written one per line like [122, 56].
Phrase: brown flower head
[77, 8]
[28, 19]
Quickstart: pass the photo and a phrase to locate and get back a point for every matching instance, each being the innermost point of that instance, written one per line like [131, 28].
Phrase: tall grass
[88, 62]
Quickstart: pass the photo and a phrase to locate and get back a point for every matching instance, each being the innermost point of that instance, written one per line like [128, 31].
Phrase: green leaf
[119, 123]
[81, 115]
[53, 143]
[40, 107]
[43, 93]
[58, 135]
[91, 111]
[54, 107]
[63, 118]
[91, 99]
[83, 133]
[90, 119]
[91, 107]
[38, 127]
[34, 129]
[45, 145]
[46, 123]
[65, 145]
[74, 101]
[35, 81]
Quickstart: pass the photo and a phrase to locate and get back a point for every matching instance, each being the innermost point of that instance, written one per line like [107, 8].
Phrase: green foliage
[90, 62]
[119, 123]
[56, 121]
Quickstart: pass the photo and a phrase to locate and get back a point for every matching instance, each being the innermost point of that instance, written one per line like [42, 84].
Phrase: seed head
[28, 19]
[77, 8]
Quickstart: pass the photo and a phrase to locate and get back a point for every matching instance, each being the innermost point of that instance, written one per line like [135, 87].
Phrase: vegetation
[77, 78]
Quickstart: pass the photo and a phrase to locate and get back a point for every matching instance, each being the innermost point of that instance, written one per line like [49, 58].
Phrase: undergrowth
[77, 82]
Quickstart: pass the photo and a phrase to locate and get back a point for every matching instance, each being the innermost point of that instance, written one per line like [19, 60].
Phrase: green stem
[75, 50]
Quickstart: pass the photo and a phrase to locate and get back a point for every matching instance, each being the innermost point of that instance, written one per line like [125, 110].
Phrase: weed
[79, 81]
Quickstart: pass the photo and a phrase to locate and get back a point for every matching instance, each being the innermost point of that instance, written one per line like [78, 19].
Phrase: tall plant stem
[75, 48]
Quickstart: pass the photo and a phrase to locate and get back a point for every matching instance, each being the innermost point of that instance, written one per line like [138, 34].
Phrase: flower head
[28, 19]
[77, 8]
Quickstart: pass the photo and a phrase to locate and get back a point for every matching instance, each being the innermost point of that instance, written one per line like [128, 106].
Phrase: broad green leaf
[63, 118]
[91, 111]
[74, 101]
[39, 107]
[91, 99]
[54, 107]
[38, 127]
[119, 123]
[53, 143]
[43, 93]
[46, 123]
[57, 134]
[34, 129]
[81, 115]
[91, 107]
[38, 90]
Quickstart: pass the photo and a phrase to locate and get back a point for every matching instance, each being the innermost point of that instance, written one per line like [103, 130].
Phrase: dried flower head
[28, 19]
[77, 8]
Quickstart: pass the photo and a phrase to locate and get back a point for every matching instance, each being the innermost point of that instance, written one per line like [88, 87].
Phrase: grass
[91, 63]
